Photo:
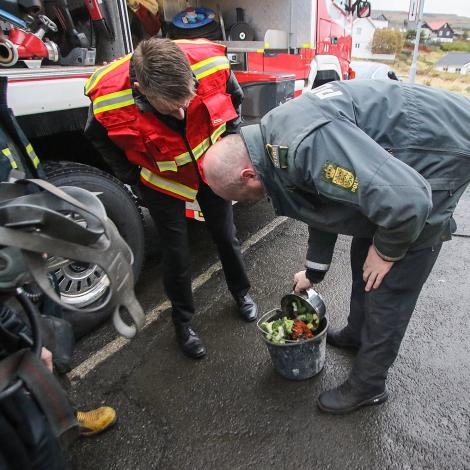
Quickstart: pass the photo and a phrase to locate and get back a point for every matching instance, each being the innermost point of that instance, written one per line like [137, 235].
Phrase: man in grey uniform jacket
[381, 161]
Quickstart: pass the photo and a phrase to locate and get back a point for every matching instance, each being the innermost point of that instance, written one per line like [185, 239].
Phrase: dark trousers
[379, 318]
[26, 440]
[169, 216]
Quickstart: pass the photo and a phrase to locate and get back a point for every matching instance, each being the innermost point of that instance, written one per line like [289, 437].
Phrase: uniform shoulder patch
[278, 155]
[339, 176]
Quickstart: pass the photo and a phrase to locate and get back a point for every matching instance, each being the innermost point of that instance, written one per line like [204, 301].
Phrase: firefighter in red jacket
[154, 114]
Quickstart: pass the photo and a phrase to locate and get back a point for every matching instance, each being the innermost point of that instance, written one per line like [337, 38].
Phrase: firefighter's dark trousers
[379, 318]
[169, 216]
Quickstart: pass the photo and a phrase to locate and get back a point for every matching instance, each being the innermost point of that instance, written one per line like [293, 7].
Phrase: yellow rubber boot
[95, 421]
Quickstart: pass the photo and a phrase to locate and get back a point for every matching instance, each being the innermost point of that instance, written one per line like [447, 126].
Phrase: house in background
[397, 26]
[440, 31]
[363, 33]
[381, 21]
[454, 62]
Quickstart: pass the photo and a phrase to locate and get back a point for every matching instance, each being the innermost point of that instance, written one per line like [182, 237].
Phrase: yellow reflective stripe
[213, 70]
[218, 132]
[201, 148]
[7, 153]
[110, 96]
[197, 151]
[99, 73]
[209, 66]
[32, 155]
[182, 159]
[167, 165]
[171, 186]
[115, 100]
[115, 106]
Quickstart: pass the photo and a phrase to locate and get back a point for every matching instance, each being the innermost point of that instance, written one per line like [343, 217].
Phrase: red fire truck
[278, 49]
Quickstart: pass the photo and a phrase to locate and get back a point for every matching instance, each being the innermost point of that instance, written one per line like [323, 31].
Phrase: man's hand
[46, 357]
[301, 282]
[375, 269]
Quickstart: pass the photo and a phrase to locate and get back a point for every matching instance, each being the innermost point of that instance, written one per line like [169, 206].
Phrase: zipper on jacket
[454, 152]
[193, 158]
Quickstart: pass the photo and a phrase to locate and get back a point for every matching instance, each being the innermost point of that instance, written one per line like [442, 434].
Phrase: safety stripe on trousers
[171, 186]
[7, 153]
[32, 155]
[98, 74]
[209, 66]
[198, 151]
[115, 100]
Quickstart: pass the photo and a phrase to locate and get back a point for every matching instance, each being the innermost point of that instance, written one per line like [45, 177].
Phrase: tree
[411, 35]
[387, 41]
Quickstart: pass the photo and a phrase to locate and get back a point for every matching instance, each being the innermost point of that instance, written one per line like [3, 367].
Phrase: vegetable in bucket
[296, 335]
[302, 327]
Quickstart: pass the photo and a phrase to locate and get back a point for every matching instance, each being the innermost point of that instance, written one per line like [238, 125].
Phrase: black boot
[189, 341]
[342, 339]
[345, 399]
[247, 307]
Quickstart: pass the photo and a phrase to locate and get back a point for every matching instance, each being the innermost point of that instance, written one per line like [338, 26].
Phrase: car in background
[374, 70]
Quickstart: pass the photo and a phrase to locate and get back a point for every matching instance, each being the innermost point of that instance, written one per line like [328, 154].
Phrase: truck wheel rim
[81, 284]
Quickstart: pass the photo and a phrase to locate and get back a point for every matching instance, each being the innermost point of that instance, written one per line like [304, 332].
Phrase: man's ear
[248, 174]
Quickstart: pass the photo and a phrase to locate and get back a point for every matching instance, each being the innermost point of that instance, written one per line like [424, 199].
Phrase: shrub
[411, 35]
[460, 46]
[387, 41]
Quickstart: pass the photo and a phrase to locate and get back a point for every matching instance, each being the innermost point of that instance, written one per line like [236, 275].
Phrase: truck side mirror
[363, 9]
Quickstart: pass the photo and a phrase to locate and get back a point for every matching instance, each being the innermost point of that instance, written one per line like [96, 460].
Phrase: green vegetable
[267, 327]
[278, 330]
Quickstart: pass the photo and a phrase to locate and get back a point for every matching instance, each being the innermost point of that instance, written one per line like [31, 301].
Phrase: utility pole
[418, 37]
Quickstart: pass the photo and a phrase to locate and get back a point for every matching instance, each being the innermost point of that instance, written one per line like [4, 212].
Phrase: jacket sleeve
[114, 157]
[319, 253]
[236, 93]
[346, 166]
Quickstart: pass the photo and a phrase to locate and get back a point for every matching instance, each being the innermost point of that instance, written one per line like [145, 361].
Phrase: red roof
[436, 25]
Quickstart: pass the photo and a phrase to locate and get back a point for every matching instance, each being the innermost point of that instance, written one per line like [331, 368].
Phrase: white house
[363, 33]
[454, 62]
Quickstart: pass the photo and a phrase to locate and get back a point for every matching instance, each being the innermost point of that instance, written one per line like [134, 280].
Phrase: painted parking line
[82, 370]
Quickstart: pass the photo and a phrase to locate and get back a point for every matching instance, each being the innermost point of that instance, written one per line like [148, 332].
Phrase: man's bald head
[229, 171]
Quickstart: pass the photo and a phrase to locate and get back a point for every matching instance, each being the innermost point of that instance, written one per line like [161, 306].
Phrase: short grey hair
[223, 163]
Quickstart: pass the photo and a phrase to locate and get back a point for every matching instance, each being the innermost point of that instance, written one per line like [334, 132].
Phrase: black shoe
[345, 398]
[341, 339]
[246, 306]
[189, 342]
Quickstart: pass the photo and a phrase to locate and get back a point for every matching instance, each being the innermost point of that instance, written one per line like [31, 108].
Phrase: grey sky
[459, 7]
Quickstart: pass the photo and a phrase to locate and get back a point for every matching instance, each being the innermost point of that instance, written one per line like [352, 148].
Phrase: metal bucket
[297, 360]
[310, 299]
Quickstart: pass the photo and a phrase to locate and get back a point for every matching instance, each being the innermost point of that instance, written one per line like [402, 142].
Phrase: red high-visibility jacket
[162, 152]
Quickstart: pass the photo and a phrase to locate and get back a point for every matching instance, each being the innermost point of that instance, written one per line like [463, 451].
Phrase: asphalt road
[231, 410]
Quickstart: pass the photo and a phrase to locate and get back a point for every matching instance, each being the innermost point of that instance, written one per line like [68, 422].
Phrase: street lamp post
[418, 37]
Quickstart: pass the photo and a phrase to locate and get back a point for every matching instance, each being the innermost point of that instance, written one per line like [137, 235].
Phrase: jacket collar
[254, 141]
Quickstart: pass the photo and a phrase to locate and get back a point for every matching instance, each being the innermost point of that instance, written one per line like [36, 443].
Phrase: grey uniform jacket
[366, 158]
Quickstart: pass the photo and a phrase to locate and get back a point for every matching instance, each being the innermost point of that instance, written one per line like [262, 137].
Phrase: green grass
[425, 73]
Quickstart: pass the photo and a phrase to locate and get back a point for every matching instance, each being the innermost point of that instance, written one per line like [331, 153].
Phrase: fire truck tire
[122, 208]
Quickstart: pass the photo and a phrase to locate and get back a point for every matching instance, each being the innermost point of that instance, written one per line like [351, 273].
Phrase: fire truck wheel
[82, 285]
